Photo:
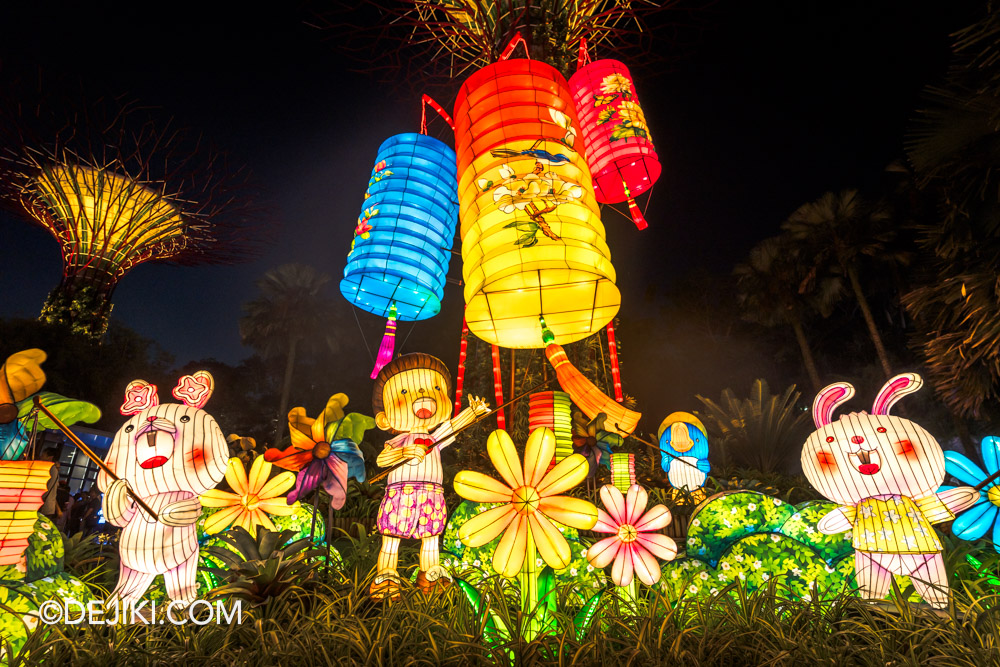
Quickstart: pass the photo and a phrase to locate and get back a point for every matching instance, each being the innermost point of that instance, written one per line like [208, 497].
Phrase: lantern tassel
[388, 345]
[591, 400]
[637, 217]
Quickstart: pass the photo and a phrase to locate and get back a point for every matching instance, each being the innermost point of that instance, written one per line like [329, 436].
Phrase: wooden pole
[92, 456]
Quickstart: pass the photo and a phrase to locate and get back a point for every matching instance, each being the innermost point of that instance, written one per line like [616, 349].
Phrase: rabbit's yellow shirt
[897, 524]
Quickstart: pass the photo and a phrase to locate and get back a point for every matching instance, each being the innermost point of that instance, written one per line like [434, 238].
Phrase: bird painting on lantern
[412, 398]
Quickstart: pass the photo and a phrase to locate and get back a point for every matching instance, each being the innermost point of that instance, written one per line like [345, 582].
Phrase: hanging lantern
[615, 136]
[622, 470]
[532, 239]
[553, 410]
[403, 238]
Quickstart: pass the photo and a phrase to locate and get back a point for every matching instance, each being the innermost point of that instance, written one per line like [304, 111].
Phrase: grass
[329, 620]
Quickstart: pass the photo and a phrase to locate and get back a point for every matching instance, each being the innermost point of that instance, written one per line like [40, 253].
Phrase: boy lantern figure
[411, 397]
[168, 455]
[884, 472]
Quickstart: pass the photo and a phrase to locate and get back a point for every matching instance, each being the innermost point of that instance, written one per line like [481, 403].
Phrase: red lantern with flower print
[616, 138]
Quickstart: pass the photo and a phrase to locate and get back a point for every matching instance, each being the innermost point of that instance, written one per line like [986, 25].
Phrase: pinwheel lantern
[615, 136]
[403, 238]
[532, 239]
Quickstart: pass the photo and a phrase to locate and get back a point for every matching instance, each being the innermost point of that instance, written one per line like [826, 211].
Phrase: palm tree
[771, 289]
[953, 149]
[292, 311]
[838, 231]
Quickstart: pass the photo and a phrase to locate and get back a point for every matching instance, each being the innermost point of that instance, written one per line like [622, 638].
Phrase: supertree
[438, 41]
[115, 191]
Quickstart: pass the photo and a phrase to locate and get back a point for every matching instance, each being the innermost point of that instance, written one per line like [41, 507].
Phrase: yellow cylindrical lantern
[532, 239]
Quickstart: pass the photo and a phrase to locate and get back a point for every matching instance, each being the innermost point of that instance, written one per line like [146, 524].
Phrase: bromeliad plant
[259, 569]
[531, 510]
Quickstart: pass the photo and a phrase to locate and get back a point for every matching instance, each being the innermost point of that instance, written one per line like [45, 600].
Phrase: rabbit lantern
[884, 472]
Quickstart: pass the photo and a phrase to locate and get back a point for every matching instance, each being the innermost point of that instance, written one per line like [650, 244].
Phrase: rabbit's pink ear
[895, 389]
[139, 395]
[829, 399]
[195, 390]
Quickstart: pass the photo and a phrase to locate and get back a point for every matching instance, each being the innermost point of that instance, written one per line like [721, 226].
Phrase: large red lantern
[615, 136]
[532, 239]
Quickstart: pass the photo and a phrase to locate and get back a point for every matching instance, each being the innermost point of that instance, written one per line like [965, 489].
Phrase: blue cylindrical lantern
[403, 239]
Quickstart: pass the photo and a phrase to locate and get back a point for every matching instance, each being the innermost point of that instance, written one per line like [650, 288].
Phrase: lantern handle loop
[424, 101]
[583, 57]
[518, 38]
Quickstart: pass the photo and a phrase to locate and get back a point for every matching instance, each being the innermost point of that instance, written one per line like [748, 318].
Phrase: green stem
[628, 595]
[528, 579]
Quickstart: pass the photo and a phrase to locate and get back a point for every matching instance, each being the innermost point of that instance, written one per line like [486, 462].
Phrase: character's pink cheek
[826, 461]
[905, 448]
[197, 458]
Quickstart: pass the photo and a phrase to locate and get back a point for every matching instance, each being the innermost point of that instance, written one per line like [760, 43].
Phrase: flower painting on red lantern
[414, 398]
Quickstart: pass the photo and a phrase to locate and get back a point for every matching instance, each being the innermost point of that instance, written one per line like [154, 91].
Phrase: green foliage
[760, 431]
[69, 410]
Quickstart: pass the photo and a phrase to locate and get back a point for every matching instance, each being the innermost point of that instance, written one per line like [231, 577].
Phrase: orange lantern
[22, 486]
[615, 136]
[532, 239]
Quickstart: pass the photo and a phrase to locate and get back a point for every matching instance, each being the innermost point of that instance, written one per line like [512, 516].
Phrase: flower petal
[990, 448]
[479, 488]
[334, 480]
[291, 458]
[511, 551]
[259, 472]
[318, 428]
[306, 481]
[605, 524]
[564, 476]
[278, 507]
[996, 536]
[223, 519]
[975, 521]
[301, 440]
[635, 503]
[621, 571]
[614, 502]
[277, 485]
[245, 521]
[504, 457]
[602, 553]
[961, 467]
[236, 475]
[260, 518]
[551, 544]
[219, 498]
[657, 518]
[484, 527]
[575, 512]
[659, 545]
[538, 455]
[646, 567]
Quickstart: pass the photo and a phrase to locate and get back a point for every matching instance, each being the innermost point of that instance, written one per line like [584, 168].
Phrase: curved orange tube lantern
[532, 239]
[616, 139]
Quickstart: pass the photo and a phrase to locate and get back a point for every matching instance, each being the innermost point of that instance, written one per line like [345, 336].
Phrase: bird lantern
[616, 139]
[553, 410]
[532, 239]
[403, 238]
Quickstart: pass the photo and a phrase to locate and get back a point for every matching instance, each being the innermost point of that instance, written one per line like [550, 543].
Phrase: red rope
[616, 376]
[517, 39]
[498, 387]
[462, 353]
[583, 57]
[424, 101]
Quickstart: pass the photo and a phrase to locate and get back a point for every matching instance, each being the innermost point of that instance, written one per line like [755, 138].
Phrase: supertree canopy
[114, 196]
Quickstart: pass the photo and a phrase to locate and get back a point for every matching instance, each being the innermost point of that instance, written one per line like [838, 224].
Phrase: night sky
[774, 104]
